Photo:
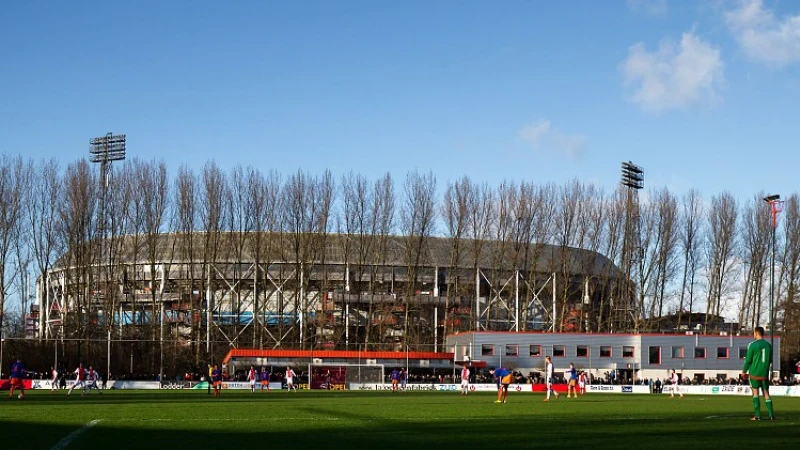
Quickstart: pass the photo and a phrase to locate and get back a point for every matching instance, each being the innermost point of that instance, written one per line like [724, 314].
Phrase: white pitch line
[62, 444]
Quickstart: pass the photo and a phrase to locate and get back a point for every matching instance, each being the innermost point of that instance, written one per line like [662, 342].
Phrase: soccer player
[756, 365]
[91, 380]
[53, 379]
[80, 380]
[264, 379]
[216, 380]
[550, 378]
[395, 377]
[582, 383]
[403, 379]
[290, 380]
[673, 378]
[464, 380]
[503, 378]
[328, 380]
[572, 380]
[210, 382]
[251, 377]
[17, 379]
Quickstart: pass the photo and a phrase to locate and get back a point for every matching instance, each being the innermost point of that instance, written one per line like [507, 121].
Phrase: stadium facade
[330, 291]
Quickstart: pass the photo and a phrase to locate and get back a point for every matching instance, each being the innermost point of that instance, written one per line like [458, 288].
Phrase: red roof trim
[343, 354]
[747, 336]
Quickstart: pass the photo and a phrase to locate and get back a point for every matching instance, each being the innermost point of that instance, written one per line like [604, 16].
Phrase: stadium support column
[516, 301]
[161, 341]
[555, 315]
[477, 299]
[42, 308]
[208, 310]
[435, 328]
[301, 304]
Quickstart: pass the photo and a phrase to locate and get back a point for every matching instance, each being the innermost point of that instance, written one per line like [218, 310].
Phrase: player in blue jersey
[503, 378]
[403, 379]
[216, 380]
[17, 379]
[572, 380]
[395, 377]
[264, 377]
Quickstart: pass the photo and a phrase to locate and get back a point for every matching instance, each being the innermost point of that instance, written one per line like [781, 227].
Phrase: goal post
[338, 376]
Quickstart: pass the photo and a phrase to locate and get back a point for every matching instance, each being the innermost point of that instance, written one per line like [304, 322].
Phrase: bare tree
[13, 181]
[455, 211]
[691, 239]
[355, 240]
[755, 255]
[212, 218]
[263, 207]
[382, 226]
[45, 196]
[184, 222]
[239, 227]
[666, 235]
[721, 250]
[417, 220]
[78, 230]
[479, 212]
[153, 187]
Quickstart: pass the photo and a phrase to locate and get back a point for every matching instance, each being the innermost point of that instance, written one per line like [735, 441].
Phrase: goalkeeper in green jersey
[757, 365]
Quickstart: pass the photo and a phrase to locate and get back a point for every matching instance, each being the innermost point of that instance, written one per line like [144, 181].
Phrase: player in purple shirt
[395, 380]
[17, 379]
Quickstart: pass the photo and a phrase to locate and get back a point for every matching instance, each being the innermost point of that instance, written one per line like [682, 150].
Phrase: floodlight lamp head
[772, 198]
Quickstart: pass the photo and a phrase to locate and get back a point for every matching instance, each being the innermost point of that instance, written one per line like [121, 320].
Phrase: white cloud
[656, 8]
[542, 137]
[674, 76]
[762, 36]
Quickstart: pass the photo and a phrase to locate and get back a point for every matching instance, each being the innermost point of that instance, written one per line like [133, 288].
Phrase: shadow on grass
[392, 434]
[364, 420]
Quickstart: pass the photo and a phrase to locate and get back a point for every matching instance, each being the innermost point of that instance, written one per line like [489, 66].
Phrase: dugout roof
[282, 358]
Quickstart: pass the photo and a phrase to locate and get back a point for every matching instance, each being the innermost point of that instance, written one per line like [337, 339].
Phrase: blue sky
[701, 94]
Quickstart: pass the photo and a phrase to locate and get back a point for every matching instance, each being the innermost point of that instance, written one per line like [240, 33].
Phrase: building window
[722, 352]
[627, 351]
[677, 352]
[742, 352]
[487, 349]
[654, 355]
[582, 351]
[559, 351]
[536, 351]
[699, 352]
[511, 349]
[605, 351]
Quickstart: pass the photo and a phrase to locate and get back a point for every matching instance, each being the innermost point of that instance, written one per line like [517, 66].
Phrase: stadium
[326, 291]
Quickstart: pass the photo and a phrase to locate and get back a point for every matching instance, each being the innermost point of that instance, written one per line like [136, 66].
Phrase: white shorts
[289, 380]
[464, 383]
[582, 385]
[252, 382]
[81, 384]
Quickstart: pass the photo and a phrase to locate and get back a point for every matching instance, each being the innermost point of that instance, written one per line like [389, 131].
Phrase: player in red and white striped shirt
[251, 377]
[464, 380]
[80, 381]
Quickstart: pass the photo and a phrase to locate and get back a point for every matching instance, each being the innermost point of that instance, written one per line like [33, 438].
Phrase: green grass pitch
[189, 420]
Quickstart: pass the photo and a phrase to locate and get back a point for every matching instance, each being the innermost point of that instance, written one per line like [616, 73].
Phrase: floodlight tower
[776, 207]
[105, 150]
[633, 179]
